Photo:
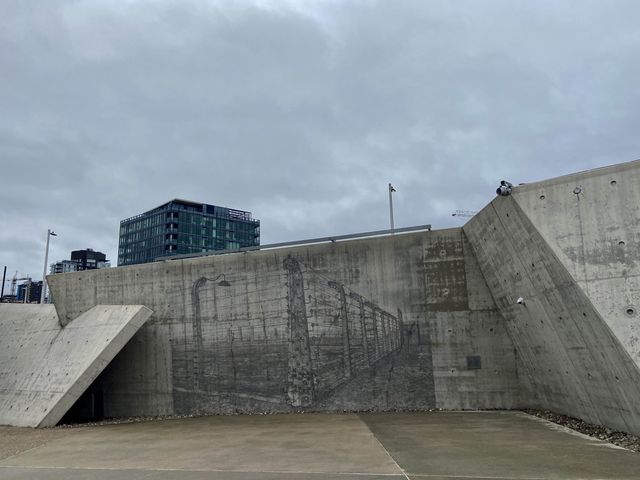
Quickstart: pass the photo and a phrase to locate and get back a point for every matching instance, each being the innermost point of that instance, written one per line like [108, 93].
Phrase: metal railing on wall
[335, 238]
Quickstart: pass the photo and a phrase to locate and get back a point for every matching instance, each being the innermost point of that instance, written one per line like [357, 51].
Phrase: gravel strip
[622, 439]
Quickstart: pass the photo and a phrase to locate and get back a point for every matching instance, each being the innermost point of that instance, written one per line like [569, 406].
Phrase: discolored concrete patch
[497, 445]
[309, 443]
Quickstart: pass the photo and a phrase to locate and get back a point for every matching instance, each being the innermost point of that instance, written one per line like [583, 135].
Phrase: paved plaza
[434, 446]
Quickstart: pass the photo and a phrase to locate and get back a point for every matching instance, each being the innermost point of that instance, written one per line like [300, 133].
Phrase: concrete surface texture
[552, 244]
[386, 323]
[437, 445]
[44, 368]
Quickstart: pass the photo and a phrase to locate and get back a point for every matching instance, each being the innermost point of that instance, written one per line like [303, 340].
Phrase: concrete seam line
[471, 477]
[217, 470]
[385, 450]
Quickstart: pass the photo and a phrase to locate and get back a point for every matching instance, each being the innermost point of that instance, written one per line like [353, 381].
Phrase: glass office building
[180, 227]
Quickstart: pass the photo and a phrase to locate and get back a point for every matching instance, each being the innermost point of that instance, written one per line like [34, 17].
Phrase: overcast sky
[299, 111]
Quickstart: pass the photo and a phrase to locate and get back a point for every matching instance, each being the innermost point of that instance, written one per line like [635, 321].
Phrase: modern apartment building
[180, 227]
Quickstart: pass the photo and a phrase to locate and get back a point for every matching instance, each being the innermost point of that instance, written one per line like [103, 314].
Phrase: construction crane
[14, 281]
[463, 213]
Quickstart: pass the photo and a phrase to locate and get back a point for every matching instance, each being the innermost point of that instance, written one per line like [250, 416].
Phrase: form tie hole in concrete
[621, 243]
[613, 183]
[577, 190]
[542, 197]
[630, 311]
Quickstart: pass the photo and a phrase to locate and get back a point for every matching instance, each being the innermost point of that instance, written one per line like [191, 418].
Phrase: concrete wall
[45, 368]
[574, 362]
[413, 321]
[383, 323]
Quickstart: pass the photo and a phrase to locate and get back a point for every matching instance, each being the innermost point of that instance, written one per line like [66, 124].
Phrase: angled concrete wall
[44, 368]
[576, 349]
[396, 322]
[595, 234]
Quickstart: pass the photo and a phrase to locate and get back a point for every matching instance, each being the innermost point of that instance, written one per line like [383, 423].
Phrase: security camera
[520, 301]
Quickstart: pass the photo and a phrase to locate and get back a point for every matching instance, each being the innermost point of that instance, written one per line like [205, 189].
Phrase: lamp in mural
[202, 280]
[223, 282]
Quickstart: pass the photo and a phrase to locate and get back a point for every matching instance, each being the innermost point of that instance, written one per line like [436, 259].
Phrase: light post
[44, 272]
[391, 190]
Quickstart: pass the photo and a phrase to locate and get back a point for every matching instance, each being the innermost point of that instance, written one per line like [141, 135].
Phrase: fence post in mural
[400, 335]
[346, 344]
[384, 333]
[300, 387]
[196, 327]
[374, 318]
[363, 326]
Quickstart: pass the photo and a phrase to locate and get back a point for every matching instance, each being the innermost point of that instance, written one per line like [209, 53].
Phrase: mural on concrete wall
[319, 346]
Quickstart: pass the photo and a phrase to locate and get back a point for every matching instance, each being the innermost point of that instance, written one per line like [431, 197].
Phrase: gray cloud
[300, 111]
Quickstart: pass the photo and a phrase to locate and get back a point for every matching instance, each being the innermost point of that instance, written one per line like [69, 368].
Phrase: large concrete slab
[437, 445]
[44, 368]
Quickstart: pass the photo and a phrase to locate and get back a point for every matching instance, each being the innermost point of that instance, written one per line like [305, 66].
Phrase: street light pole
[44, 272]
[391, 190]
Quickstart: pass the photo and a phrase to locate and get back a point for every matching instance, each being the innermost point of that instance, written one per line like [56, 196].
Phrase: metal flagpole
[44, 272]
[391, 190]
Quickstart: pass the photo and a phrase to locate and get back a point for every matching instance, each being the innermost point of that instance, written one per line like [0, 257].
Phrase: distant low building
[87, 259]
[182, 227]
[63, 266]
[29, 292]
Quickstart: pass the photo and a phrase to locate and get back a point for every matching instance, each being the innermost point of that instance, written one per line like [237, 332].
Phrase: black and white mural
[293, 340]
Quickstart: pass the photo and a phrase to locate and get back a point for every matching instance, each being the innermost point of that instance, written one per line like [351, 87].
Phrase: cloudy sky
[299, 111]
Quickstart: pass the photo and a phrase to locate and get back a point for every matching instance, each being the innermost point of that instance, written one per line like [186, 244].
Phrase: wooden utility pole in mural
[344, 322]
[300, 384]
[363, 327]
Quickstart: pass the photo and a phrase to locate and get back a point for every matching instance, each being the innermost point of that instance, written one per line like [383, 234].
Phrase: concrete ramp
[44, 368]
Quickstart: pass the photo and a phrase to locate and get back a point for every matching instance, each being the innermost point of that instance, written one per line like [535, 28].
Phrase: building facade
[182, 227]
[63, 266]
[29, 292]
[87, 259]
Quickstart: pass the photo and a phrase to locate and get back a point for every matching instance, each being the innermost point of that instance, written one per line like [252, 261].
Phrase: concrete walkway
[434, 446]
